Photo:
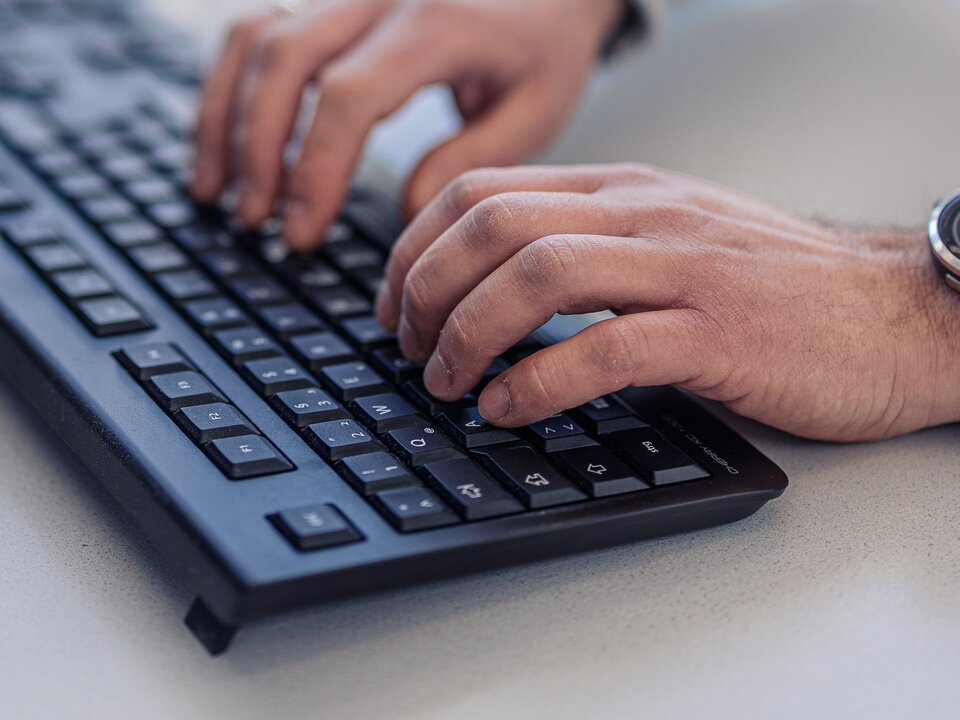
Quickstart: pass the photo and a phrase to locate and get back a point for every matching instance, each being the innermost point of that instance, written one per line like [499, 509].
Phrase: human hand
[516, 68]
[823, 332]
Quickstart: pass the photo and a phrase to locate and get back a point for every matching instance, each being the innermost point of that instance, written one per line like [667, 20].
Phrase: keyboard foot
[206, 627]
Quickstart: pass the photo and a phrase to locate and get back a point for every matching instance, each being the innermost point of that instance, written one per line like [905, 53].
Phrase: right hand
[516, 68]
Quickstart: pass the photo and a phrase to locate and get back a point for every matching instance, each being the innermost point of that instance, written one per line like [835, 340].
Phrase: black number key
[215, 314]
[471, 492]
[174, 391]
[290, 319]
[348, 381]
[607, 414]
[306, 407]
[244, 344]
[414, 508]
[258, 290]
[658, 460]
[25, 235]
[315, 526]
[599, 471]
[110, 208]
[79, 284]
[376, 472]
[468, 428]
[226, 264]
[396, 365]
[338, 439]
[419, 444]
[341, 302]
[367, 334]
[204, 423]
[276, 374]
[183, 285]
[557, 432]
[384, 412]
[131, 233]
[53, 257]
[528, 475]
[144, 361]
[245, 456]
[323, 348]
[111, 315]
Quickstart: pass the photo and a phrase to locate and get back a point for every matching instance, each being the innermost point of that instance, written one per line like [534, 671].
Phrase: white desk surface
[840, 599]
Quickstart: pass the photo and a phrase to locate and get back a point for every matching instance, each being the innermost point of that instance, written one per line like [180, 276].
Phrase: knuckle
[548, 263]
[488, 222]
[243, 29]
[541, 376]
[274, 47]
[341, 87]
[455, 338]
[617, 351]
[467, 189]
[417, 298]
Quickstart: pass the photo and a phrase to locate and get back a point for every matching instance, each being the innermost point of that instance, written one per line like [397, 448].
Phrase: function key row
[202, 411]
[85, 290]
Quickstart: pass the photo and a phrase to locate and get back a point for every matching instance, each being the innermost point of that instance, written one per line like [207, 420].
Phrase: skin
[516, 68]
[826, 333]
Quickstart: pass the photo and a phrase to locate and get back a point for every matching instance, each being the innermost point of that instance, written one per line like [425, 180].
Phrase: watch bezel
[944, 210]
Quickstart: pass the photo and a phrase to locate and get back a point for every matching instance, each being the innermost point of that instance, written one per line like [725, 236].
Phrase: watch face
[950, 226]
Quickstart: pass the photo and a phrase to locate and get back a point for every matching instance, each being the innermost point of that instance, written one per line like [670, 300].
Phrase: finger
[368, 84]
[518, 126]
[663, 347]
[283, 61]
[456, 199]
[562, 273]
[489, 234]
[212, 134]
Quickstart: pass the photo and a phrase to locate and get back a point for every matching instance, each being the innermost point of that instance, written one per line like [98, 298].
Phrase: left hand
[826, 333]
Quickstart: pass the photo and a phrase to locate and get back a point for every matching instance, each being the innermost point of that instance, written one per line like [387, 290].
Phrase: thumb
[510, 132]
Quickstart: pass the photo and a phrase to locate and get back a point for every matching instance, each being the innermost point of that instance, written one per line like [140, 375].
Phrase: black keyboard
[241, 402]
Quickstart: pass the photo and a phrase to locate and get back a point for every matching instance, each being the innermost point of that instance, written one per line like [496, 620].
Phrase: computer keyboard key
[423, 399]
[125, 167]
[277, 374]
[54, 257]
[396, 366]
[314, 527]
[161, 257]
[79, 284]
[290, 319]
[111, 208]
[657, 459]
[420, 444]
[348, 256]
[131, 233]
[350, 380]
[469, 490]
[245, 456]
[605, 415]
[28, 234]
[316, 350]
[557, 432]
[386, 411]
[172, 215]
[307, 275]
[204, 423]
[182, 285]
[307, 406]
[341, 302]
[245, 343]
[82, 187]
[412, 509]
[145, 361]
[150, 191]
[11, 200]
[367, 334]
[111, 315]
[599, 471]
[528, 475]
[469, 429]
[376, 472]
[227, 264]
[337, 439]
[201, 236]
[215, 314]
[258, 290]
[173, 391]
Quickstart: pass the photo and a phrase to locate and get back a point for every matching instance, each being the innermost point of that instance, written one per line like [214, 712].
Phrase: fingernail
[437, 376]
[385, 306]
[494, 402]
[409, 340]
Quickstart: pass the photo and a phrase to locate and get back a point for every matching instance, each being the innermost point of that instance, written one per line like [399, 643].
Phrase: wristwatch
[944, 234]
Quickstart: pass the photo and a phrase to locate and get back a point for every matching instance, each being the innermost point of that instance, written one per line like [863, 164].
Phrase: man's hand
[516, 68]
[825, 333]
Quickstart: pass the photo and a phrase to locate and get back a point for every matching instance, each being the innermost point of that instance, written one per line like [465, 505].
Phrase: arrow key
[599, 471]
[413, 509]
[557, 432]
